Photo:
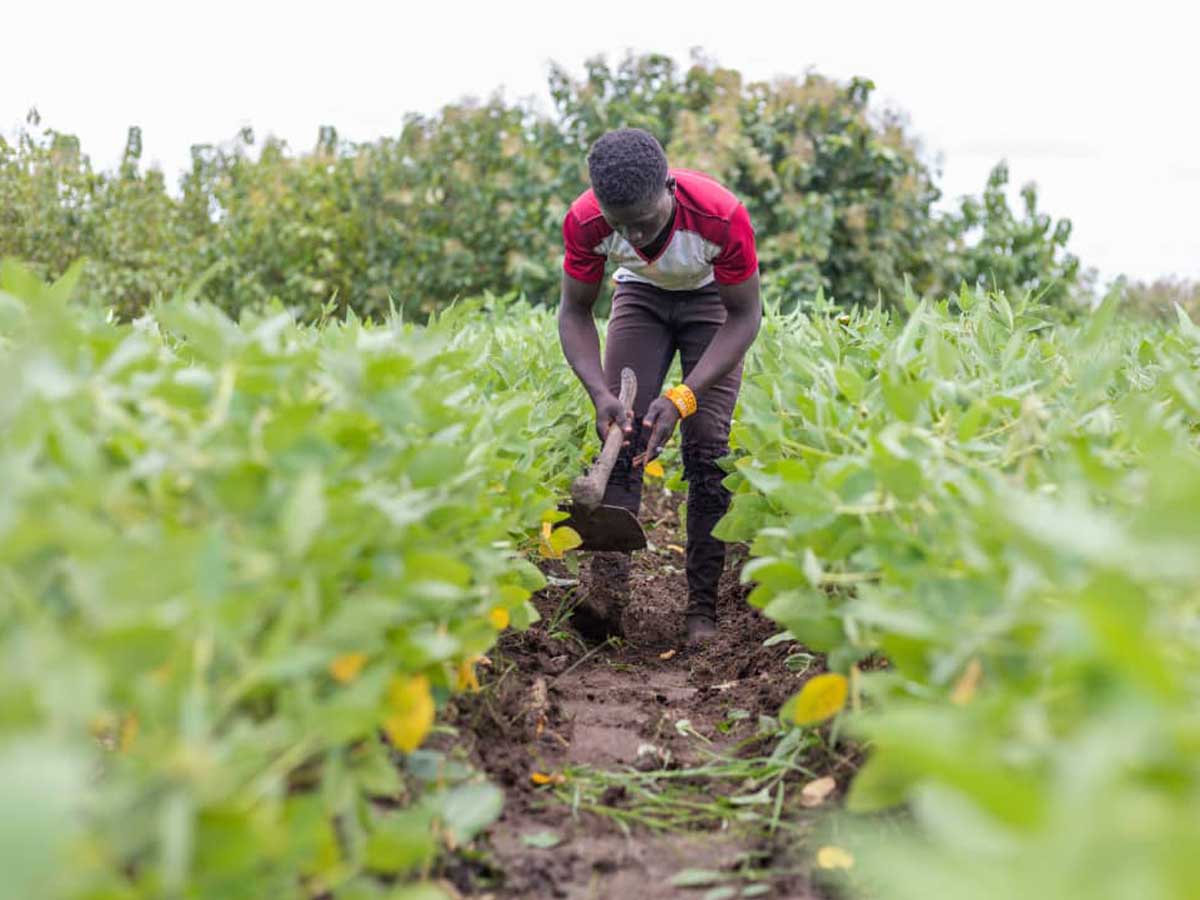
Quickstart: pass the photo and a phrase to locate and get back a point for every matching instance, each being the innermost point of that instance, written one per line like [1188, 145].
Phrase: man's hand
[609, 412]
[660, 425]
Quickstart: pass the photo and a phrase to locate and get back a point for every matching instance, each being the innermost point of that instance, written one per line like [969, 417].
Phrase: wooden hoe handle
[588, 490]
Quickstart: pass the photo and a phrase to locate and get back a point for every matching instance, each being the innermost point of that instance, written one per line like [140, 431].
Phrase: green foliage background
[472, 199]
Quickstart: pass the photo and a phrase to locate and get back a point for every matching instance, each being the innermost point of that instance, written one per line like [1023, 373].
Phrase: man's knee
[703, 475]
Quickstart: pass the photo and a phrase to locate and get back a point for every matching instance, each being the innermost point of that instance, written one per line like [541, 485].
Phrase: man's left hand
[659, 423]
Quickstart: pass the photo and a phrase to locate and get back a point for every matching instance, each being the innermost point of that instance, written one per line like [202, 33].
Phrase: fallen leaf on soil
[552, 778]
[815, 792]
[542, 840]
[467, 679]
[666, 655]
[539, 706]
[968, 683]
[834, 858]
[821, 697]
[696, 878]
[675, 547]
[347, 666]
[650, 757]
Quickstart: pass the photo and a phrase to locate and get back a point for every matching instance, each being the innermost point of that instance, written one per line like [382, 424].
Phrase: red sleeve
[580, 260]
[738, 259]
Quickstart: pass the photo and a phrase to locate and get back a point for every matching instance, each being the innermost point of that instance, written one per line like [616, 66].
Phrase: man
[687, 281]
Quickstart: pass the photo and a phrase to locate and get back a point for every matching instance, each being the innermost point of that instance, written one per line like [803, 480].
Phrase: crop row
[231, 556]
[988, 523]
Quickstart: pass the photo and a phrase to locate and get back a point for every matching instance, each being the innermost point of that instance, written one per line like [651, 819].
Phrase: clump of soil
[552, 701]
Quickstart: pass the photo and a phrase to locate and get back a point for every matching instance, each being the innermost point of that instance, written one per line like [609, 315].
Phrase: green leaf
[697, 878]
[67, 284]
[469, 808]
[904, 399]
[877, 786]
[774, 574]
[747, 514]
[971, 421]
[41, 788]
[304, 513]
[400, 843]
[850, 383]
[417, 892]
[542, 840]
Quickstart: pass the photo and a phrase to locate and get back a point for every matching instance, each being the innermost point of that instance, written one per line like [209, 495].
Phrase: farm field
[284, 612]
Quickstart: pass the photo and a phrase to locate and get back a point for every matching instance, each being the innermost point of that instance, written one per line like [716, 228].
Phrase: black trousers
[647, 327]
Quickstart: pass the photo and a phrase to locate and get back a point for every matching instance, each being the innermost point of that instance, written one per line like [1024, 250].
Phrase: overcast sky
[1096, 105]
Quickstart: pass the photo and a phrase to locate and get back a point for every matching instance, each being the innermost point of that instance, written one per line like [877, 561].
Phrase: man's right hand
[609, 412]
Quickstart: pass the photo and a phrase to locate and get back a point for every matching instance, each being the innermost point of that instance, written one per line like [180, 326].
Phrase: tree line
[471, 200]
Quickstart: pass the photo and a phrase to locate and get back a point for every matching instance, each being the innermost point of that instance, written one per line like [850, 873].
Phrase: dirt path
[552, 704]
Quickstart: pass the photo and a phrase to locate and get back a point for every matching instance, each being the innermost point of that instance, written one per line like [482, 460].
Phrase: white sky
[1096, 104]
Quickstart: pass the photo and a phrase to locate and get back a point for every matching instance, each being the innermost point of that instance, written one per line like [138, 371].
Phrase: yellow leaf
[499, 618]
[968, 683]
[101, 726]
[821, 697]
[667, 655]
[675, 547]
[347, 666]
[130, 726]
[545, 545]
[654, 469]
[467, 679]
[557, 541]
[543, 778]
[834, 858]
[565, 538]
[815, 792]
[410, 712]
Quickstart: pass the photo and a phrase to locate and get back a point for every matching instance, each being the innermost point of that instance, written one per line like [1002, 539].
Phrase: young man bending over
[686, 282]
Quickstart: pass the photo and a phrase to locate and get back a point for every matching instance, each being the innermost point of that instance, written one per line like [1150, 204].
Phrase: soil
[551, 701]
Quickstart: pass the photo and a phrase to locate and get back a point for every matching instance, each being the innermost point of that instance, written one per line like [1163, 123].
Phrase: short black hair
[627, 167]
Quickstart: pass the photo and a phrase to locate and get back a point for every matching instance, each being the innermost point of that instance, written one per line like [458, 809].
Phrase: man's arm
[581, 346]
[577, 333]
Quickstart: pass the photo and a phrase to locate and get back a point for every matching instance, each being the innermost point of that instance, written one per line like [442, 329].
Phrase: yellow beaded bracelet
[683, 398]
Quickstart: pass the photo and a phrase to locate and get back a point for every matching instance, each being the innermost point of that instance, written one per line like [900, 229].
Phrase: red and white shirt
[711, 239]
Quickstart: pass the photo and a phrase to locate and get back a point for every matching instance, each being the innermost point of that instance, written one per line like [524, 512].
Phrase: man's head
[628, 170]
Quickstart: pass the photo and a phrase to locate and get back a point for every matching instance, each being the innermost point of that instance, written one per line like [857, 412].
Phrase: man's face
[641, 223]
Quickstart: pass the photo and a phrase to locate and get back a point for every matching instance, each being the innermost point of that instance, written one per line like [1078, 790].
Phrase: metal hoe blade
[606, 528]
